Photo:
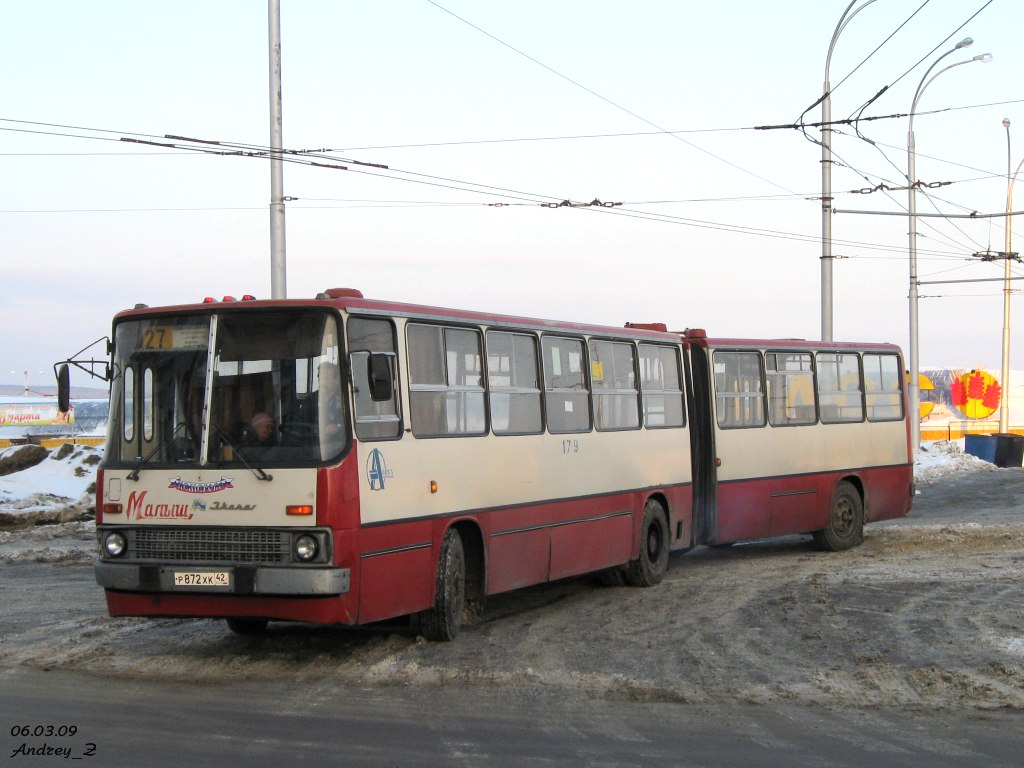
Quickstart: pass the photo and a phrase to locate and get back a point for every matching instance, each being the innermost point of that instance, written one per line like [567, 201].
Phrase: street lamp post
[1004, 399]
[914, 385]
[826, 178]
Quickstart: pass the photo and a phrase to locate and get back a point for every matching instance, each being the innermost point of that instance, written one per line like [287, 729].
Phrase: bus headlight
[114, 544]
[306, 548]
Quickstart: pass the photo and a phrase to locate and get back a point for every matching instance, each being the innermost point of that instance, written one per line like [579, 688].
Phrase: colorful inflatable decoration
[976, 394]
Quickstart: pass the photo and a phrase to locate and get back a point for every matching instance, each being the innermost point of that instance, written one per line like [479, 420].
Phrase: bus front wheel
[443, 620]
[649, 568]
[845, 527]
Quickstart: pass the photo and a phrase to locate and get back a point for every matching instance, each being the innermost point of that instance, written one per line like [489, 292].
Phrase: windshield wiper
[139, 463]
[239, 451]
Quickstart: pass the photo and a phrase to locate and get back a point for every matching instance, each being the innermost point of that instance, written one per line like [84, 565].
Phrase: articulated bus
[341, 460]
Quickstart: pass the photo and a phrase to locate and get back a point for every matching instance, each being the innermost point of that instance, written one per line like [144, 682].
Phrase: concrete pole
[1004, 372]
[826, 217]
[914, 384]
[278, 272]
[914, 380]
[1011, 179]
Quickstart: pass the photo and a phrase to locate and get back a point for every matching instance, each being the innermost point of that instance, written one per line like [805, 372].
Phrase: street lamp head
[984, 58]
[1006, 123]
[964, 43]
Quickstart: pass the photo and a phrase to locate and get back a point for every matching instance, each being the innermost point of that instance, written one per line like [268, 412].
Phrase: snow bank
[934, 460]
[62, 481]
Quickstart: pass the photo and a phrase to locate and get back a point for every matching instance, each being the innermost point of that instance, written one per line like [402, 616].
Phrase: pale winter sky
[539, 102]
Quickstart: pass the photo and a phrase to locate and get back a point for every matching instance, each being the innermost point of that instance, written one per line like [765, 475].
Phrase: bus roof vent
[648, 326]
[695, 333]
[341, 293]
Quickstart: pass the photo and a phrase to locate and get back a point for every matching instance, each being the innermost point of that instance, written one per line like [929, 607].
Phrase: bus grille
[211, 545]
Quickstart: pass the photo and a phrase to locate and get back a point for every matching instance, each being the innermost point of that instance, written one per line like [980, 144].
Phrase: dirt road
[928, 613]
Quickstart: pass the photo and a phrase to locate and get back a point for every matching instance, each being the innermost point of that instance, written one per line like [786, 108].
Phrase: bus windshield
[231, 389]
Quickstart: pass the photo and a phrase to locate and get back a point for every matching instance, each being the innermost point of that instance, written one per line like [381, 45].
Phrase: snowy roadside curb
[68, 543]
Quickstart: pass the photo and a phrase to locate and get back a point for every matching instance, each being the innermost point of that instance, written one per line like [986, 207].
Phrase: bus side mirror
[63, 388]
[381, 382]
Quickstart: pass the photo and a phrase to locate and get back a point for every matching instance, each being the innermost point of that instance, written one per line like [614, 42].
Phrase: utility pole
[914, 384]
[1004, 402]
[1004, 370]
[278, 274]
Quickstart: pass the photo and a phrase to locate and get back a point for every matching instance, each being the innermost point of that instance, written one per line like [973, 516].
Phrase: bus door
[702, 444]
[742, 496]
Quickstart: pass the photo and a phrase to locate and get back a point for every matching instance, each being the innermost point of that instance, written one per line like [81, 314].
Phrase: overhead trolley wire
[324, 159]
[606, 99]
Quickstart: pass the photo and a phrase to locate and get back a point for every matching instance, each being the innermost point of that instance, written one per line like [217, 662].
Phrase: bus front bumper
[229, 580]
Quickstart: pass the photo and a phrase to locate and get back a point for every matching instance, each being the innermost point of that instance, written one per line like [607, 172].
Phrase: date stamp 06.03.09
[49, 740]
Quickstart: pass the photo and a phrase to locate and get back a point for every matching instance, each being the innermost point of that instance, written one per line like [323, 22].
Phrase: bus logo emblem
[377, 470]
[213, 487]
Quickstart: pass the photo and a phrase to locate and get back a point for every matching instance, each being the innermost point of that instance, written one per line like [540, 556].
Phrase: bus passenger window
[882, 389]
[613, 377]
[445, 381]
[739, 393]
[839, 389]
[790, 388]
[566, 397]
[513, 384]
[659, 382]
[375, 419]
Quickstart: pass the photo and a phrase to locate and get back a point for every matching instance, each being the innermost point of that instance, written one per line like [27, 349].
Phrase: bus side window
[566, 396]
[613, 377]
[662, 391]
[790, 388]
[739, 391]
[445, 381]
[512, 383]
[839, 389]
[371, 343]
[883, 392]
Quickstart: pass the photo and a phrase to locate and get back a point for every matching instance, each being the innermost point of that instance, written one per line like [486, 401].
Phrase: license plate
[202, 579]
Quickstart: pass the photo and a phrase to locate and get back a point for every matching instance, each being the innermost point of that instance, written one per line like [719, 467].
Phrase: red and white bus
[344, 460]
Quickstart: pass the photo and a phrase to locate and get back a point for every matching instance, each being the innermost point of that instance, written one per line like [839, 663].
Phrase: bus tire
[443, 620]
[845, 527]
[649, 568]
[247, 626]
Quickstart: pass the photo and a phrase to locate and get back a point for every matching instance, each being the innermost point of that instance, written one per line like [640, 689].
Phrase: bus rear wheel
[443, 621]
[845, 527]
[649, 568]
